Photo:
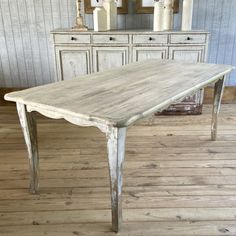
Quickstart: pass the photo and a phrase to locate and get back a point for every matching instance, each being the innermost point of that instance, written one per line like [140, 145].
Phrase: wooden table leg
[28, 124]
[116, 153]
[218, 94]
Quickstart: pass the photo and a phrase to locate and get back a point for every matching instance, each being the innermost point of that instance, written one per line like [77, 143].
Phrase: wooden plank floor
[177, 182]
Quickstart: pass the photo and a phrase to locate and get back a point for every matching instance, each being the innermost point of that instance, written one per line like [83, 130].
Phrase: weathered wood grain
[218, 94]
[116, 154]
[28, 125]
[109, 97]
[203, 205]
[111, 101]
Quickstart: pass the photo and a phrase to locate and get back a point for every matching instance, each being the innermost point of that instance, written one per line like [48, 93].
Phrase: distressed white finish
[28, 124]
[73, 61]
[218, 94]
[188, 38]
[105, 58]
[150, 38]
[111, 38]
[112, 101]
[145, 53]
[116, 48]
[109, 97]
[116, 154]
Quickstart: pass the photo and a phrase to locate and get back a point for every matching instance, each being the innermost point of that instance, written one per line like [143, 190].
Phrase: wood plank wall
[26, 52]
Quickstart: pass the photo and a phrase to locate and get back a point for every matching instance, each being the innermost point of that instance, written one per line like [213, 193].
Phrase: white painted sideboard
[80, 53]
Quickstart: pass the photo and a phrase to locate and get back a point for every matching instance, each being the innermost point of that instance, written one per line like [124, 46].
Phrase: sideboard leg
[116, 153]
[218, 94]
[28, 124]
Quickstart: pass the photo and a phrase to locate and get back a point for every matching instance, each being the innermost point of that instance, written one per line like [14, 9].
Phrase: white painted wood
[73, 61]
[218, 94]
[72, 39]
[110, 38]
[187, 15]
[105, 58]
[112, 55]
[146, 53]
[188, 38]
[112, 101]
[215, 16]
[121, 96]
[28, 124]
[116, 154]
[188, 54]
[99, 19]
[150, 38]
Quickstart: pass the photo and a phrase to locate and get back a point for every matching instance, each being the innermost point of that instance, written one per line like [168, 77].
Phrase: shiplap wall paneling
[26, 56]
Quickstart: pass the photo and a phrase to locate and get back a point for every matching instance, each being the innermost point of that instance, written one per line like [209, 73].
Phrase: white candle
[168, 15]
[158, 15]
[111, 9]
[187, 15]
[100, 19]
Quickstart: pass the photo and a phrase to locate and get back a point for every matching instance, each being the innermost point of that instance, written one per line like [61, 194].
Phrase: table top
[119, 97]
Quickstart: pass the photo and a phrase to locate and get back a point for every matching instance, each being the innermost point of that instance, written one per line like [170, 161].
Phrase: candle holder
[79, 25]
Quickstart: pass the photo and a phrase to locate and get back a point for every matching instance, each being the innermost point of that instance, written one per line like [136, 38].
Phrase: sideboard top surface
[127, 31]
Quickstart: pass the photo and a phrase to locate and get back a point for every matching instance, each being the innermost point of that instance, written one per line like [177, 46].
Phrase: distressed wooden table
[112, 101]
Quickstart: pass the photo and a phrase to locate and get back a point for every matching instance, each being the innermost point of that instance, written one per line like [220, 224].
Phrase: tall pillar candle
[187, 16]
[111, 9]
[100, 19]
[158, 15]
[168, 15]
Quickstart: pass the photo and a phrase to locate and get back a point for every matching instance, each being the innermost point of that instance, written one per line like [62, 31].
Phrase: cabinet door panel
[73, 62]
[106, 58]
[189, 54]
[145, 53]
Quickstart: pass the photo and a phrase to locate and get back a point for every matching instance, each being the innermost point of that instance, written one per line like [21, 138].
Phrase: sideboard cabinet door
[187, 53]
[72, 62]
[105, 58]
[191, 104]
[145, 53]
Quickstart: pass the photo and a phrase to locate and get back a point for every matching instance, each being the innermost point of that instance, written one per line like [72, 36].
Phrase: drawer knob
[73, 38]
[151, 39]
[111, 38]
[188, 38]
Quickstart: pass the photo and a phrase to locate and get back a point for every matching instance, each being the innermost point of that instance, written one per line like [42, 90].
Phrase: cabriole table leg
[116, 153]
[218, 94]
[28, 124]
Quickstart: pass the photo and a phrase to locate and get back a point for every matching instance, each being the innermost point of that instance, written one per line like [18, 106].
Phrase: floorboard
[176, 181]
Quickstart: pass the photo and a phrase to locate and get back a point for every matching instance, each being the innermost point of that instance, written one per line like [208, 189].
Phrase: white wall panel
[26, 57]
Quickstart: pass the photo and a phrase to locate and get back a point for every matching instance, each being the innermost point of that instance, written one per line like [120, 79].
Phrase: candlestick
[79, 25]
[158, 15]
[187, 15]
[168, 15]
[111, 9]
[100, 19]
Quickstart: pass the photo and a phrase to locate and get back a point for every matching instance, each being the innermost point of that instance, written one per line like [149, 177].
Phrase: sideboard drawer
[150, 39]
[111, 39]
[72, 38]
[188, 38]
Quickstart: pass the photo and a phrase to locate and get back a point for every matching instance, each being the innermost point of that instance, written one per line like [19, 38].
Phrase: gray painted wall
[26, 52]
